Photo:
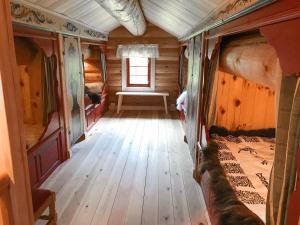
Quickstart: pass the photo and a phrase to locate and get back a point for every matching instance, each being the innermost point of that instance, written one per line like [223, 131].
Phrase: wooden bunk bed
[44, 127]
[210, 161]
[243, 132]
[96, 89]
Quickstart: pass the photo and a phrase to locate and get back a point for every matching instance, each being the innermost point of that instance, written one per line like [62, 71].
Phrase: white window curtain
[137, 51]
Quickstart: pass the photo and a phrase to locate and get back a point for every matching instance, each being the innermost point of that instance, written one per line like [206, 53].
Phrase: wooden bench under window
[162, 94]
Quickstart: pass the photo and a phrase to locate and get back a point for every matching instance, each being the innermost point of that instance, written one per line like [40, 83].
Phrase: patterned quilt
[247, 162]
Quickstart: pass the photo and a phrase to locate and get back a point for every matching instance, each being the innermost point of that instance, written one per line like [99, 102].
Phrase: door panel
[193, 92]
[74, 87]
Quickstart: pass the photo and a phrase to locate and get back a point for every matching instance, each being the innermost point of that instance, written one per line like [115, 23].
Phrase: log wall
[92, 65]
[167, 65]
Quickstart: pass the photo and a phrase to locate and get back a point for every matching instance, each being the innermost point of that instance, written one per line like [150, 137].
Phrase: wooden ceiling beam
[128, 13]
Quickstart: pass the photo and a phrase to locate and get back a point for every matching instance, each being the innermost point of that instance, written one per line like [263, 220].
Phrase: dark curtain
[103, 65]
[49, 87]
[181, 69]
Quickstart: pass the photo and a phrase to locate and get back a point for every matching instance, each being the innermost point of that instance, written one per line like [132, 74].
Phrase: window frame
[124, 78]
[128, 84]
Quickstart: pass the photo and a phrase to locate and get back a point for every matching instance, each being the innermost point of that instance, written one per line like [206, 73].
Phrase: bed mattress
[247, 163]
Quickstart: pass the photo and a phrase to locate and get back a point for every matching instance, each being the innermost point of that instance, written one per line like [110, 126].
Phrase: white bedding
[181, 102]
[247, 162]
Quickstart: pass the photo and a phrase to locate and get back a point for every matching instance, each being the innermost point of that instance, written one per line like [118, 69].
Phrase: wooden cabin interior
[146, 112]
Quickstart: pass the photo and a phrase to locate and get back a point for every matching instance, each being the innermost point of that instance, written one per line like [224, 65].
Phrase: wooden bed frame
[270, 21]
[51, 149]
[294, 204]
[93, 112]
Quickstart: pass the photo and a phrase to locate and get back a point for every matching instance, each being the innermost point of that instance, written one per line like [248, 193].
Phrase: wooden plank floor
[133, 169]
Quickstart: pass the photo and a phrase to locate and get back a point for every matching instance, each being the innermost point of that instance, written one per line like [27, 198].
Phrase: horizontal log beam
[128, 13]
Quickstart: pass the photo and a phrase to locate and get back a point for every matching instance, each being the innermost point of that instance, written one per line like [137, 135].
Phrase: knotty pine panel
[29, 59]
[243, 104]
[166, 66]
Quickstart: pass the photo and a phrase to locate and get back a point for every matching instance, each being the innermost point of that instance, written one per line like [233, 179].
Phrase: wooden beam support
[128, 13]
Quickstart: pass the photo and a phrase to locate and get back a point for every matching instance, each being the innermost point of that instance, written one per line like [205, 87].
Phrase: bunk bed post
[203, 67]
[64, 90]
[13, 159]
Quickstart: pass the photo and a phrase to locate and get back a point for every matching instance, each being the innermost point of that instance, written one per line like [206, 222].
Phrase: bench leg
[166, 104]
[120, 99]
[52, 212]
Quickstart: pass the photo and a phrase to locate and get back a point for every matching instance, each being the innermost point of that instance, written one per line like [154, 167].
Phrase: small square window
[138, 72]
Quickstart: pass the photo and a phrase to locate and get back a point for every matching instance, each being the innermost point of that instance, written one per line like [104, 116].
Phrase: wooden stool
[43, 199]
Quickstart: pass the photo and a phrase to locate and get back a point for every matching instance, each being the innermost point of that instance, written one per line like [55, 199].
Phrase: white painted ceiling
[177, 17]
[85, 11]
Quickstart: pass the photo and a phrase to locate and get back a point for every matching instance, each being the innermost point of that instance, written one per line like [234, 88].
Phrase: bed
[247, 163]
[94, 110]
[235, 170]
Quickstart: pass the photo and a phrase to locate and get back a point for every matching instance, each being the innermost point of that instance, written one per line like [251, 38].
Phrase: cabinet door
[74, 87]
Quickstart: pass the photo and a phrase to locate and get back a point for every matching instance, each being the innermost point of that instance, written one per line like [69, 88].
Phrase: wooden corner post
[13, 158]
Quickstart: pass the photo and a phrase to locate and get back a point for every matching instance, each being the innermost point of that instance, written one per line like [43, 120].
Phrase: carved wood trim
[234, 7]
[39, 18]
[275, 13]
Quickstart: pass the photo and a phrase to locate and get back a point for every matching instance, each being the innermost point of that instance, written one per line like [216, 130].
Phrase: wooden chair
[43, 199]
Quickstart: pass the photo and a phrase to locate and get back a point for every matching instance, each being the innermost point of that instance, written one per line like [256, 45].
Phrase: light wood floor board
[133, 169]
